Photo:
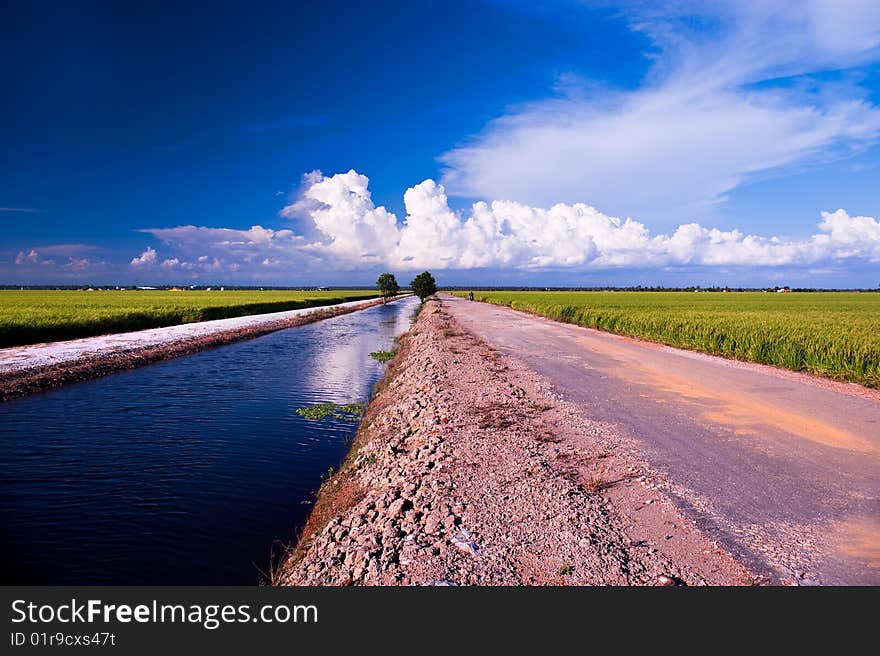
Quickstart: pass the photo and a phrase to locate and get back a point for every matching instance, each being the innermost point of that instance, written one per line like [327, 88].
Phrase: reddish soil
[469, 470]
[777, 466]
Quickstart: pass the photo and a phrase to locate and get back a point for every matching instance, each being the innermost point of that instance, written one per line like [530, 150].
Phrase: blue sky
[581, 143]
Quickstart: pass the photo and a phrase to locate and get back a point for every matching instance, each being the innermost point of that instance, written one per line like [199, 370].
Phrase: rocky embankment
[468, 470]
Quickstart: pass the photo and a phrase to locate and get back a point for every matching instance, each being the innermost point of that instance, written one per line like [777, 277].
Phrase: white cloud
[510, 234]
[242, 243]
[341, 208]
[74, 265]
[77, 264]
[354, 234]
[33, 257]
[145, 260]
[81, 265]
[185, 237]
[700, 125]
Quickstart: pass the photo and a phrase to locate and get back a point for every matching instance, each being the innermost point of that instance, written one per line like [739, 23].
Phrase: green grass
[27, 317]
[833, 334]
[383, 356]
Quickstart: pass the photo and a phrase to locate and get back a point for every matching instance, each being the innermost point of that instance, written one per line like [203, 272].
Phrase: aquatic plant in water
[382, 356]
[347, 412]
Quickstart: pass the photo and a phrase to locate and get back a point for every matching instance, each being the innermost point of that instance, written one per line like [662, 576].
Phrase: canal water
[186, 471]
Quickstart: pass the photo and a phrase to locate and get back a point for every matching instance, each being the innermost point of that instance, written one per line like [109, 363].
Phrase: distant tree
[387, 286]
[424, 285]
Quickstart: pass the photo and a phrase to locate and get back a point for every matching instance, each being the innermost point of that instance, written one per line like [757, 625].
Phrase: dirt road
[782, 469]
[468, 469]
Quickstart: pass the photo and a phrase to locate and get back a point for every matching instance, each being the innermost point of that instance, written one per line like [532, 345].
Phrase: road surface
[781, 468]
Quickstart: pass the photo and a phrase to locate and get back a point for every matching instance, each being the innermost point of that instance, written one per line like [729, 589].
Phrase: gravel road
[468, 470]
[783, 469]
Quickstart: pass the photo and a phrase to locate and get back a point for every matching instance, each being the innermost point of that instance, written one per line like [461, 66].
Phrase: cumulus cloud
[184, 237]
[75, 265]
[145, 260]
[341, 207]
[353, 234]
[79, 265]
[242, 244]
[33, 257]
[230, 249]
[510, 234]
[712, 113]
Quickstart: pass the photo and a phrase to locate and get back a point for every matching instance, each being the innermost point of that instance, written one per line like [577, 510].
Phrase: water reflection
[183, 471]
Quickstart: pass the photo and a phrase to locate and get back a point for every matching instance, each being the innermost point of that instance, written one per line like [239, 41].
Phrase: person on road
[470, 296]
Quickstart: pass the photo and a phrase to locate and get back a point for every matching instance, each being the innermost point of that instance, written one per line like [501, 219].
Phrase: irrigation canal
[183, 472]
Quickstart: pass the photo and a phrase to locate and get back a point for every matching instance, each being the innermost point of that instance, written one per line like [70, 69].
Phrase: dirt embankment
[30, 379]
[467, 470]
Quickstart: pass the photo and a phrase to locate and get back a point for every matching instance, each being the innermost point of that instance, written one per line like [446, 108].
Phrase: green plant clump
[347, 412]
[382, 356]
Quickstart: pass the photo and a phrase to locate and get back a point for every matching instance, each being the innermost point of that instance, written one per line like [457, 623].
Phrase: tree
[387, 286]
[424, 285]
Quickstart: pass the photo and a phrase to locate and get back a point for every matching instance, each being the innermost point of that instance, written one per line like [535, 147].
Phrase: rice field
[833, 334]
[28, 317]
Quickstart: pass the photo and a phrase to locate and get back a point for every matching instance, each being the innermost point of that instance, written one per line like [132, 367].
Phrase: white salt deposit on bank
[17, 358]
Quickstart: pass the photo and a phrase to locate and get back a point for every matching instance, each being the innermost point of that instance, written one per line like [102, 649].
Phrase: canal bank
[28, 369]
[469, 470]
[186, 471]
